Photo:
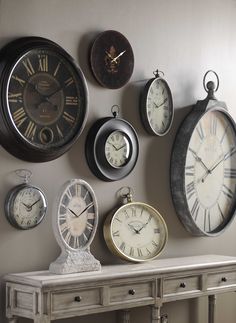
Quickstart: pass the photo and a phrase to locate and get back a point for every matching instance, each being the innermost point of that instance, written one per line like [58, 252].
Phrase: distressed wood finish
[44, 297]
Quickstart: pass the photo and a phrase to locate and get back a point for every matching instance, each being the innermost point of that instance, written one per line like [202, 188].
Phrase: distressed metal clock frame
[10, 138]
[178, 162]
[95, 148]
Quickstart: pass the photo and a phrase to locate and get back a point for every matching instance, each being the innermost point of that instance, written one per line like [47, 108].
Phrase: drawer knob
[182, 285]
[78, 298]
[132, 291]
[224, 279]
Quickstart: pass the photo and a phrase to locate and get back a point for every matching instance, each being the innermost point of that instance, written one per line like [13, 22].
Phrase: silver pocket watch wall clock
[25, 204]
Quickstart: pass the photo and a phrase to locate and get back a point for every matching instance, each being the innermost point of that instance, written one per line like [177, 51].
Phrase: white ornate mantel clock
[75, 222]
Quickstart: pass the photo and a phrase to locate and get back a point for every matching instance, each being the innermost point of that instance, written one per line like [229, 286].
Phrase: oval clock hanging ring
[44, 99]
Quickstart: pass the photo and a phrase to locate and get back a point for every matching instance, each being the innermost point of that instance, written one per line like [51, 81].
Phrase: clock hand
[73, 212]
[209, 171]
[109, 55]
[158, 106]
[26, 206]
[121, 147]
[87, 207]
[115, 58]
[133, 228]
[34, 203]
[199, 160]
[112, 145]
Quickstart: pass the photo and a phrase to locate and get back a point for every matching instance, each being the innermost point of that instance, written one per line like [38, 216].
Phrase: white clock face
[117, 149]
[29, 207]
[138, 232]
[159, 107]
[77, 216]
[210, 172]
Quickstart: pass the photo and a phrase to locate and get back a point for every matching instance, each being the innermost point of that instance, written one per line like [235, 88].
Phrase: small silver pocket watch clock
[75, 221]
[25, 204]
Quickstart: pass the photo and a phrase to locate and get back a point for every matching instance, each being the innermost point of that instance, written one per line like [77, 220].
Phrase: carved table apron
[44, 297]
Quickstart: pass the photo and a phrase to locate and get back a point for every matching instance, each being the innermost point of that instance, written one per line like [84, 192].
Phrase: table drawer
[180, 285]
[131, 292]
[66, 301]
[221, 280]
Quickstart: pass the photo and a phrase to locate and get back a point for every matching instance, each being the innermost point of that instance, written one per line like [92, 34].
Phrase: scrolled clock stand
[45, 297]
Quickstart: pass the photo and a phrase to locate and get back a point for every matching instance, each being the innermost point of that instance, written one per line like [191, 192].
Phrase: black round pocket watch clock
[112, 147]
[44, 99]
[156, 106]
[75, 222]
[135, 231]
[25, 204]
[203, 167]
[112, 59]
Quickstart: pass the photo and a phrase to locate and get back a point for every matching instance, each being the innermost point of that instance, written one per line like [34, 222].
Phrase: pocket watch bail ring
[126, 193]
[210, 86]
[24, 174]
[115, 110]
[157, 73]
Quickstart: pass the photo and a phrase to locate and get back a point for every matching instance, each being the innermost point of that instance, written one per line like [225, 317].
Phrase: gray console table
[44, 297]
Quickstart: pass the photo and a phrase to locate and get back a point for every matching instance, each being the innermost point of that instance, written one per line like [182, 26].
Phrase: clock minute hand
[73, 212]
[158, 106]
[87, 207]
[199, 160]
[34, 203]
[115, 58]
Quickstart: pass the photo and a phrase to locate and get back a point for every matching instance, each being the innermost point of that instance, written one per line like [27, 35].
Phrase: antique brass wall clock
[112, 59]
[25, 204]
[203, 167]
[112, 147]
[135, 231]
[75, 221]
[43, 99]
[156, 106]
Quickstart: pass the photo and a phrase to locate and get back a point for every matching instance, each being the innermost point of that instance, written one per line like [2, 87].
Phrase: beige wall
[184, 38]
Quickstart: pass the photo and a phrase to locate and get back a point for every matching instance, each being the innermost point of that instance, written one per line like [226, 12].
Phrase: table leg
[156, 313]
[211, 308]
[124, 316]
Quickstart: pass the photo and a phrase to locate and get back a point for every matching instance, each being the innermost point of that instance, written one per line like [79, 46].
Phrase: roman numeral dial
[46, 100]
[77, 214]
[210, 172]
[137, 232]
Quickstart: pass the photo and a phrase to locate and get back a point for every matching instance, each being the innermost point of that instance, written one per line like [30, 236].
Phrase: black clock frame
[10, 138]
[97, 63]
[95, 148]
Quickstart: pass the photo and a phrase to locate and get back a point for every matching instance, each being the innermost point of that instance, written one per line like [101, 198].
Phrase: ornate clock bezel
[11, 139]
[144, 102]
[178, 160]
[95, 148]
[97, 60]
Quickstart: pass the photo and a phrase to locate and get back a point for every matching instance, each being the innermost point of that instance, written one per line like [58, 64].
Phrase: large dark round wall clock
[203, 167]
[112, 59]
[43, 99]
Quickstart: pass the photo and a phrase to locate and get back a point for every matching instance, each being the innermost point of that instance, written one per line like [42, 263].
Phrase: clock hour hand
[115, 58]
[112, 145]
[108, 54]
[158, 106]
[73, 212]
[200, 160]
[133, 228]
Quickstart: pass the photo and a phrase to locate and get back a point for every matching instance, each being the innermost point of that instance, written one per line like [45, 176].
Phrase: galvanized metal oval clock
[156, 106]
[43, 99]
[203, 167]
[112, 59]
[112, 147]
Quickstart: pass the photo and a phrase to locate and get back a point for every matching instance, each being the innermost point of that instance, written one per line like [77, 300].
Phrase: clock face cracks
[210, 172]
